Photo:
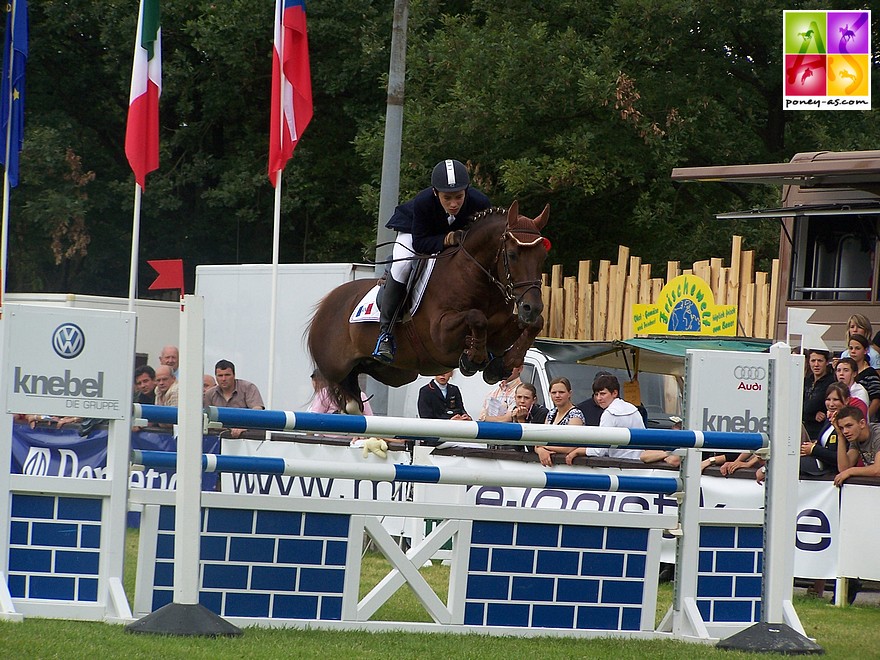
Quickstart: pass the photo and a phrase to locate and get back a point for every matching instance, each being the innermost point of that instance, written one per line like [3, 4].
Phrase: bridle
[508, 287]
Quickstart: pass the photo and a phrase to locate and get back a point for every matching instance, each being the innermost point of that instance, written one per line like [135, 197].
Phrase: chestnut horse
[481, 311]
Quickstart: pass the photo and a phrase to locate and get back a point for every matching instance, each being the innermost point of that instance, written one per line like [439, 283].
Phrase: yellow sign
[686, 307]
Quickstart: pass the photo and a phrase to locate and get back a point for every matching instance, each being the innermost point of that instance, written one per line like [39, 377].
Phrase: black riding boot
[393, 295]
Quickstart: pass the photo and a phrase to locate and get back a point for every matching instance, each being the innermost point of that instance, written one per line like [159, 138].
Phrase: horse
[481, 311]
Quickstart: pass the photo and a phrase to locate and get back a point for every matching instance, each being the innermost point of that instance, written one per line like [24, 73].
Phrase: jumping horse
[481, 311]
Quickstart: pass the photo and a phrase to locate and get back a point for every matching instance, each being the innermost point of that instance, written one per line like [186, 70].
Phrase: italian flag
[142, 131]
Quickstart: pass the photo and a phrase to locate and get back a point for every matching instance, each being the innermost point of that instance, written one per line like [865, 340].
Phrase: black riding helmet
[450, 176]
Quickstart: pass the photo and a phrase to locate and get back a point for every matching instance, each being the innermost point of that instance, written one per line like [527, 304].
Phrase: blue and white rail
[489, 432]
[426, 474]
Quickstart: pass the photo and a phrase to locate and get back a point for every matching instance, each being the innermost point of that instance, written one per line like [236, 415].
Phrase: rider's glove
[453, 238]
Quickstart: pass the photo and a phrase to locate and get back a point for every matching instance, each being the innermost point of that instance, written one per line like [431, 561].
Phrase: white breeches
[402, 254]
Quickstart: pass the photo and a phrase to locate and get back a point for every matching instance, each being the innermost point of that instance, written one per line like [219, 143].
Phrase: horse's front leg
[500, 367]
[447, 334]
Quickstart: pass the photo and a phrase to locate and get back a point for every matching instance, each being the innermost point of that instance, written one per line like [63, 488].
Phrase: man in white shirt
[500, 404]
[617, 413]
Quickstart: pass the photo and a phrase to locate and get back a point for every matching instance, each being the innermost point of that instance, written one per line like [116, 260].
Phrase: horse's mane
[522, 228]
[479, 215]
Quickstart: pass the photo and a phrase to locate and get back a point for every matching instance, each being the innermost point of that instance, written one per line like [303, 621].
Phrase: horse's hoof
[495, 371]
[466, 367]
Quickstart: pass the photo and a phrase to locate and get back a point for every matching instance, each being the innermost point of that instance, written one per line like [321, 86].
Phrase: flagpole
[135, 242]
[4, 233]
[273, 305]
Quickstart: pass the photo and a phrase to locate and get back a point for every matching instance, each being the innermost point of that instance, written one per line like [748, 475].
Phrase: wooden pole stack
[580, 308]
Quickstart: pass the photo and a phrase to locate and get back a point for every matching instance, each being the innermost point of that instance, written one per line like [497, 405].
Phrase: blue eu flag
[15, 52]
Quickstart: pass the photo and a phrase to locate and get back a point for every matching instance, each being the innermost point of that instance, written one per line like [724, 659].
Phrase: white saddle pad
[368, 311]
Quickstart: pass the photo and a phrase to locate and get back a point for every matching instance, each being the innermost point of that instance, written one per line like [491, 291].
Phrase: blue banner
[50, 452]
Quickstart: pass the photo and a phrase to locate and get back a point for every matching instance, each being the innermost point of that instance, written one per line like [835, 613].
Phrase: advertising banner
[50, 452]
[68, 362]
[817, 521]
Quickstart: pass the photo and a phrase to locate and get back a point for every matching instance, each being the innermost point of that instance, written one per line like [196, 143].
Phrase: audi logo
[749, 373]
[68, 340]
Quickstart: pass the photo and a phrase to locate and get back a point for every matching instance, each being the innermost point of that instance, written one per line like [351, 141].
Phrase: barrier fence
[488, 432]
[555, 584]
[424, 474]
[269, 560]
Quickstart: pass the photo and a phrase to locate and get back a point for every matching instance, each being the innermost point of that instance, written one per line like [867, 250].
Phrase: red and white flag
[142, 130]
[291, 83]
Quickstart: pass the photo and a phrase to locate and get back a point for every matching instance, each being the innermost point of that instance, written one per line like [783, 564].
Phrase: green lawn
[843, 632]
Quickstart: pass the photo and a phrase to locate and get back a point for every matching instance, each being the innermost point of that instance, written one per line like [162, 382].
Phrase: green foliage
[582, 104]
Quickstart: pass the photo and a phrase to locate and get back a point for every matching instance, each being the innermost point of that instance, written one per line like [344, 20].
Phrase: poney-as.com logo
[826, 58]
[68, 340]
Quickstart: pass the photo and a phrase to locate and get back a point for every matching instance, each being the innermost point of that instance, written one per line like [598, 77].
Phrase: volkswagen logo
[68, 340]
[749, 373]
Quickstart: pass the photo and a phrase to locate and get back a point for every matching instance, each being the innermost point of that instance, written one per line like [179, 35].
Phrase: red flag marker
[170, 274]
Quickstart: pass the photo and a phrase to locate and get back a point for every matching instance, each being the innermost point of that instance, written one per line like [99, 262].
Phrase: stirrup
[385, 348]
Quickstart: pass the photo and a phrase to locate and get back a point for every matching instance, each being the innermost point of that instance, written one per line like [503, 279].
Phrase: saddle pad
[368, 311]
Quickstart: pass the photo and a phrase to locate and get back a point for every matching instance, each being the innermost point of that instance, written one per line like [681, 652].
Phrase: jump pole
[780, 629]
[425, 474]
[185, 615]
[489, 432]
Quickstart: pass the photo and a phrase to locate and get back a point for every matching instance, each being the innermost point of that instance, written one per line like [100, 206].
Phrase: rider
[425, 225]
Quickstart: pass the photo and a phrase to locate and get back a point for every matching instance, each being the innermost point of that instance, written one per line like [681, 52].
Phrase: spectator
[499, 404]
[846, 371]
[145, 384]
[232, 392]
[866, 376]
[746, 459]
[818, 377]
[166, 386]
[323, 400]
[170, 356]
[617, 413]
[563, 413]
[819, 456]
[528, 410]
[208, 381]
[858, 324]
[860, 440]
[668, 457]
[440, 399]
[590, 408]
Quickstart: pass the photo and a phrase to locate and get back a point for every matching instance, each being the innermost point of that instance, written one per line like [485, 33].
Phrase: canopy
[659, 355]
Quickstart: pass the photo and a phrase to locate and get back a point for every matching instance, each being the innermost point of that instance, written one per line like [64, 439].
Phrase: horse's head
[523, 251]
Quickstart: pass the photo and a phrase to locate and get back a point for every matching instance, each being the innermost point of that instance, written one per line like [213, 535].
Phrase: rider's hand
[453, 238]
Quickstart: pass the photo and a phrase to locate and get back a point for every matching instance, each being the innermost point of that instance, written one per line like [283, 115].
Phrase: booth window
[834, 257]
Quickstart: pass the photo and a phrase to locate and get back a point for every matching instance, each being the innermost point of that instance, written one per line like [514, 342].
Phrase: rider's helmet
[450, 176]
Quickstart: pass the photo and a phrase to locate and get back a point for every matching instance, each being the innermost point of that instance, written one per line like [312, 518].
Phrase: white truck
[237, 314]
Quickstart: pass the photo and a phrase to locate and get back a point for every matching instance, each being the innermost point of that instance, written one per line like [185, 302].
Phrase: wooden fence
[601, 309]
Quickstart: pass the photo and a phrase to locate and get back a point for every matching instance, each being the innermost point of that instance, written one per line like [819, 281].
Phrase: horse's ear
[513, 214]
[541, 220]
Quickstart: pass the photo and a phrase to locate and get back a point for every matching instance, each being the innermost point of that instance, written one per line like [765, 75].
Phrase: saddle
[367, 310]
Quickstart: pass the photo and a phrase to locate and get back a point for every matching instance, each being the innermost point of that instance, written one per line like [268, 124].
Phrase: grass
[843, 632]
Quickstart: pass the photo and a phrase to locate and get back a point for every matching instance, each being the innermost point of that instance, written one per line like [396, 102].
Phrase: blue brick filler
[54, 547]
[729, 573]
[555, 576]
[267, 564]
